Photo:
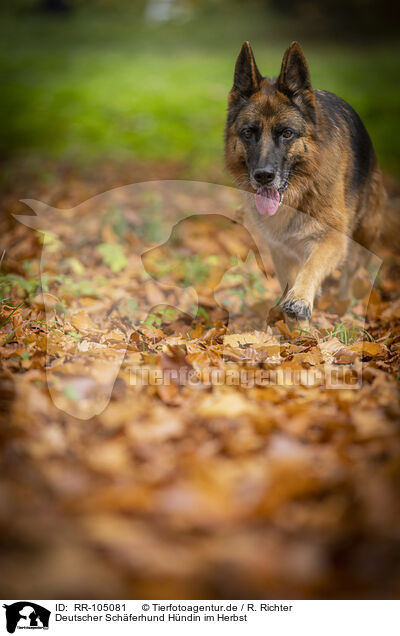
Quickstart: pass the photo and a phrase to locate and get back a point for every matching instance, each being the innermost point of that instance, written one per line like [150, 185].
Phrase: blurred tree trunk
[56, 6]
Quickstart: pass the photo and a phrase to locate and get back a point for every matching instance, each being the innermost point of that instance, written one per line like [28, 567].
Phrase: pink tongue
[267, 200]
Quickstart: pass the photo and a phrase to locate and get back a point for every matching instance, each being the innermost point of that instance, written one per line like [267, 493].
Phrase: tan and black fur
[312, 148]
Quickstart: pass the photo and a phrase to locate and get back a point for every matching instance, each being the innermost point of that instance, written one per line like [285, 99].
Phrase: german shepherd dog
[308, 161]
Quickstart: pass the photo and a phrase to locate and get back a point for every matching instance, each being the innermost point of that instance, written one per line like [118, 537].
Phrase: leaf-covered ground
[285, 488]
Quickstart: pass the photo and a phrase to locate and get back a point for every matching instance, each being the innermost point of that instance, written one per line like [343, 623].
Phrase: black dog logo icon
[26, 615]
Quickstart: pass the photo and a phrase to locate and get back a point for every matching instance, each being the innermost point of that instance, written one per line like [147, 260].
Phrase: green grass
[105, 83]
[349, 334]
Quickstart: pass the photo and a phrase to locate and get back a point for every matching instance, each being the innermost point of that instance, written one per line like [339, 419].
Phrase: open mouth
[268, 200]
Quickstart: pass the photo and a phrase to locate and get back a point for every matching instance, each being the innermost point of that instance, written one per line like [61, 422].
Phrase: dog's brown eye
[247, 133]
[287, 133]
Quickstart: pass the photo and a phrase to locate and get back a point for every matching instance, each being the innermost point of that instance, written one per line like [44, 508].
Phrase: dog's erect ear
[294, 76]
[294, 79]
[247, 77]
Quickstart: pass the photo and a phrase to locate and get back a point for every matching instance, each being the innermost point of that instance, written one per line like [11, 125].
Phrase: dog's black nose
[264, 176]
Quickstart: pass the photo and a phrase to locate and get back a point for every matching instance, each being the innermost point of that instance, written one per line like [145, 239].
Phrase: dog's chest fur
[289, 230]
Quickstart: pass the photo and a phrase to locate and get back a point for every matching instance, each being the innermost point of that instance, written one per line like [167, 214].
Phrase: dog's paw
[297, 309]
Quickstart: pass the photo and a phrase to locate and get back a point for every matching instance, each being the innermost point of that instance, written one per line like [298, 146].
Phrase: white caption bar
[217, 617]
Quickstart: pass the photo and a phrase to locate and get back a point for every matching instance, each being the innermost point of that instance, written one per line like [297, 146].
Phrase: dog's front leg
[286, 267]
[325, 256]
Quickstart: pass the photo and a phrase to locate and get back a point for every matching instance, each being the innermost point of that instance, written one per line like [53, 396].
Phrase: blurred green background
[148, 81]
